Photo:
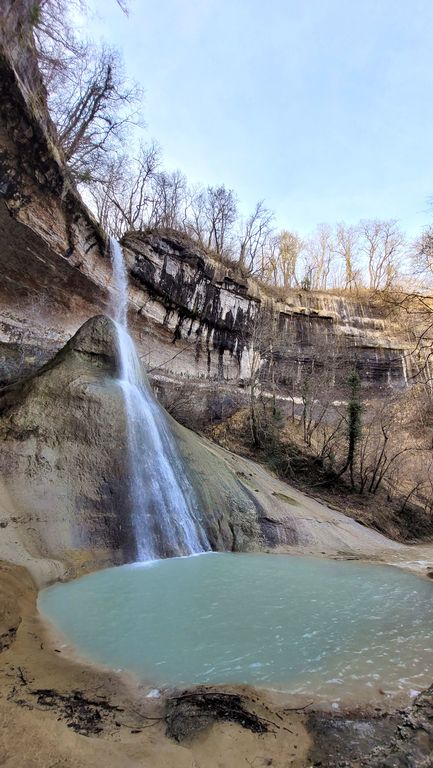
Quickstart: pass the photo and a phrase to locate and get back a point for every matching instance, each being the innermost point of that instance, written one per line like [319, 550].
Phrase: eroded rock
[64, 462]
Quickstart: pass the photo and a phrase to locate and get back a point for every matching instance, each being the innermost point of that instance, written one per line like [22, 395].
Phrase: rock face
[196, 301]
[65, 466]
[210, 314]
[192, 316]
[64, 502]
[362, 332]
[48, 239]
[60, 432]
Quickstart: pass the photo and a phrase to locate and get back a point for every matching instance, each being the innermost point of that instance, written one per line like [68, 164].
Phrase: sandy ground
[56, 712]
[46, 698]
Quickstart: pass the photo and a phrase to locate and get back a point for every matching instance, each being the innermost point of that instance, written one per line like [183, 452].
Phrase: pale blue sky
[324, 108]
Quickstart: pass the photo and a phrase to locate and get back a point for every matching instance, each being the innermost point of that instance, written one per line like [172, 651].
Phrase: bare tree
[269, 268]
[168, 203]
[346, 247]
[101, 194]
[195, 220]
[256, 231]
[380, 446]
[261, 350]
[280, 259]
[56, 40]
[210, 217]
[422, 257]
[317, 386]
[93, 114]
[125, 197]
[414, 311]
[382, 243]
[289, 250]
[90, 100]
[220, 213]
[319, 251]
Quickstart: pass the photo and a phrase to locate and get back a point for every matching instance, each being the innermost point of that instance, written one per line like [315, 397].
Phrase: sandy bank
[56, 711]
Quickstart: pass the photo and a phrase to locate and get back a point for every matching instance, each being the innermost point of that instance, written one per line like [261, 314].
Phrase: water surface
[302, 624]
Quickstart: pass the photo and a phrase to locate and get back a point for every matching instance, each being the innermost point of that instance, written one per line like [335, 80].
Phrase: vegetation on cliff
[291, 359]
[97, 113]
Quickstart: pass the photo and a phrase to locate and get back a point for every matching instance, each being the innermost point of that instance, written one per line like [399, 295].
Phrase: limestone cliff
[192, 316]
[64, 501]
[64, 463]
[209, 312]
[48, 239]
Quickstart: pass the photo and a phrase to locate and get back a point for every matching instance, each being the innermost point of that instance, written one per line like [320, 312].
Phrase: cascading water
[164, 507]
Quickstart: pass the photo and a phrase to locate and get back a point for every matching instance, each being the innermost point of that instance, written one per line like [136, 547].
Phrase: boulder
[64, 463]
[64, 493]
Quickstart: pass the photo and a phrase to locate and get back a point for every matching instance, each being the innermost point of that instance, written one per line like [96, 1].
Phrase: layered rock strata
[192, 316]
[64, 495]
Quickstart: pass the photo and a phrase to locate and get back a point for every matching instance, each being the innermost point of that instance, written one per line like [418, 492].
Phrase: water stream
[164, 507]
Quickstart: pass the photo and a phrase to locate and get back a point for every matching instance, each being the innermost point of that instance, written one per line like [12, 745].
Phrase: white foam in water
[305, 625]
[245, 618]
[164, 507]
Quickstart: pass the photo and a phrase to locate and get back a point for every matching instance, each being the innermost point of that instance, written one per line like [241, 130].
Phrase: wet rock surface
[403, 739]
[64, 462]
[64, 468]
[60, 460]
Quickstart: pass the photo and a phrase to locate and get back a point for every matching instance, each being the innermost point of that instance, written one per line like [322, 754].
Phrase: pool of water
[301, 624]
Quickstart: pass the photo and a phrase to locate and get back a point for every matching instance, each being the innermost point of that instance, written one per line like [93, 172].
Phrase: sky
[323, 108]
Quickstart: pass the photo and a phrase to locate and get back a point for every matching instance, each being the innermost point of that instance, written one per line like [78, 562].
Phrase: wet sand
[57, 712]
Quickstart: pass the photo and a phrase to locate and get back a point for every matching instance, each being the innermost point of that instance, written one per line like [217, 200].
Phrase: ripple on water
[306, 625]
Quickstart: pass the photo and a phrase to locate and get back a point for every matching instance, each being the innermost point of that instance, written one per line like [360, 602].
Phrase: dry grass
[299, 465]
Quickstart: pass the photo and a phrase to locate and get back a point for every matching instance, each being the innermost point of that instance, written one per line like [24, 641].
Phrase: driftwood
[84, 715]
[191, 712]
[185, 714]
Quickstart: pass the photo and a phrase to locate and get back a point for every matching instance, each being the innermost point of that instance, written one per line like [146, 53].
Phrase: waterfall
[404, 367]
[163, 503]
